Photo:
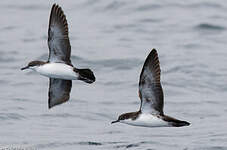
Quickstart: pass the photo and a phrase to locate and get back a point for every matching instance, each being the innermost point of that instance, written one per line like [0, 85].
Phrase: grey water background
[113, 38]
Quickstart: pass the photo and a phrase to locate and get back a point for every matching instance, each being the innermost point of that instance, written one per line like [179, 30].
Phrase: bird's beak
[114, 121]
[25, 68]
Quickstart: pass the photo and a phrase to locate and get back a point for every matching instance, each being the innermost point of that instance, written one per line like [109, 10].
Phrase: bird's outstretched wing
[59, 91]
[58, 39]
[150, 89]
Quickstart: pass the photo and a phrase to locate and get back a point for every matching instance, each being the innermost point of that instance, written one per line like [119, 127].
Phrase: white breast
[147, 120]
[57, 70]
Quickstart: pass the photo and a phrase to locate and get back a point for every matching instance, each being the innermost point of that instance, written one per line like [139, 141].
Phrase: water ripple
[209, 27]
[149, 7]
[11, 116]
[62, 144]
[60, 115]
[114, 5]
[90, 143]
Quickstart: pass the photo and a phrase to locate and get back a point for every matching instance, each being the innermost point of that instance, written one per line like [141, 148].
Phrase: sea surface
[113, 38]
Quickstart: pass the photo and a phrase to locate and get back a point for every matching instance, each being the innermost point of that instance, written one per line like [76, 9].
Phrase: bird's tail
[180, 123]
[85, 75]
[175, 122]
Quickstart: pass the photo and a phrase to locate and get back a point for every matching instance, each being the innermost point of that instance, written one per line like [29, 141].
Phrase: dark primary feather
[150, 89]
[58, 40]
[175, 122]
[59, 91]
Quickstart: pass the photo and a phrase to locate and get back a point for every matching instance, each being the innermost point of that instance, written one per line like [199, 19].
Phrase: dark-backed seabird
[59, 68]
[151, 112]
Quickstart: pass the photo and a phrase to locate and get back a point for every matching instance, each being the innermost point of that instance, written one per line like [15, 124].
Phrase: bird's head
[126, 116]
[33, 65]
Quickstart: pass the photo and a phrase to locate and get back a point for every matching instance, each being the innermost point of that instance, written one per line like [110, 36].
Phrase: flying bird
[59, 67]
[151, 112]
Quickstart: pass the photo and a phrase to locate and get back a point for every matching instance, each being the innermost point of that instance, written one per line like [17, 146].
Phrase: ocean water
[113, 38]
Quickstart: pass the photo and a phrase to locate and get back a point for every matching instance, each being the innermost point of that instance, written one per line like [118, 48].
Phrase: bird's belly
[58, 70]
[147, 121]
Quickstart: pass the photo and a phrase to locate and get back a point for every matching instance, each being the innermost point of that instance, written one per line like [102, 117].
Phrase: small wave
[148, 7]
[61, 115]
[114, 5]
[124, 26]
[3, 82]
[211, 27]
[90, 143]
[8, 28]
[6, 58]
[132, 145]
[27, 40]
[60, 144]
[28, 7]
[150, 20]
[89, 3]
[205, 5]
[127, 146]
[212, 148]
[11, 116]
[119, 64]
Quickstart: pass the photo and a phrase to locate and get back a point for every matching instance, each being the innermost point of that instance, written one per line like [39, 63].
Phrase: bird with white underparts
[59, 67]
[150, 113]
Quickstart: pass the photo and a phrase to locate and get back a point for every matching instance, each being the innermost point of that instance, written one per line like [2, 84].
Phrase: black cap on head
[33, 63]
